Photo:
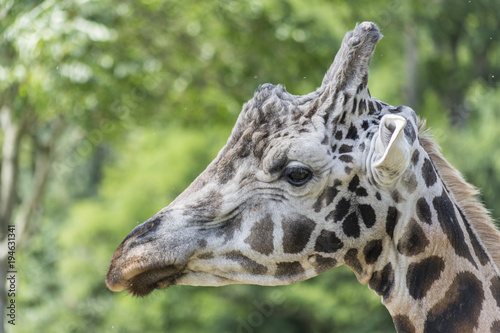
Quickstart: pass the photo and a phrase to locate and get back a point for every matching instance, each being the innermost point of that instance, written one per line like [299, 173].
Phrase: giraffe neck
[434, 274]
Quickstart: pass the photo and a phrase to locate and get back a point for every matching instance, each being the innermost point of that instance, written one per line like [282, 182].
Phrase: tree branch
[13, 133]
[42, 173]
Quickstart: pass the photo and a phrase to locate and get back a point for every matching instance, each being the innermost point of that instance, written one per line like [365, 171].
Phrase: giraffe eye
[297, 174]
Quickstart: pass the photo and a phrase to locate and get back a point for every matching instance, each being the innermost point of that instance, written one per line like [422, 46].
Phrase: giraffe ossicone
[334, 177]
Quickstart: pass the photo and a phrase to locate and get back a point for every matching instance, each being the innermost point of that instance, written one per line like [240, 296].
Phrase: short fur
[466, 197]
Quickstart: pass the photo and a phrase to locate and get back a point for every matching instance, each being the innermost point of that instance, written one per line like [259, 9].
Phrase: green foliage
[475, 158]
[148, 92]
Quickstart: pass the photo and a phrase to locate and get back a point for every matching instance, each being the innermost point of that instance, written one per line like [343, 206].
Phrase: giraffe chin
[146, 281]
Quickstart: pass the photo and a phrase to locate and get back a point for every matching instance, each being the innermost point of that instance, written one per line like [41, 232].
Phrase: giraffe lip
[146, 281]
[143, 281]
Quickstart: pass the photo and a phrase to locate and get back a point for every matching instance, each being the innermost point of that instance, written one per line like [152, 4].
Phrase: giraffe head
[303, 184]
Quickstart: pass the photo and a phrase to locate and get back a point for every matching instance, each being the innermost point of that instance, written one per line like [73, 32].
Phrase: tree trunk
[411, 66]
[13, 133]
[9, 205]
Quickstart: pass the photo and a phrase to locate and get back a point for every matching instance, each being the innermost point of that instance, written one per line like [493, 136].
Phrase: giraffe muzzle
[145, 260]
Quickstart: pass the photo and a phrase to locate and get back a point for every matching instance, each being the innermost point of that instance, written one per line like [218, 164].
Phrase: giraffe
[335, 177]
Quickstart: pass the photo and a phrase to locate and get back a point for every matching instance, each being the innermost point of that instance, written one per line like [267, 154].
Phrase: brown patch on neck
[465, 196]
[460, 308]
[403, 324]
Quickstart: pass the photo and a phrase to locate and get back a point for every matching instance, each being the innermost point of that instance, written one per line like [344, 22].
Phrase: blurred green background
[110, 108]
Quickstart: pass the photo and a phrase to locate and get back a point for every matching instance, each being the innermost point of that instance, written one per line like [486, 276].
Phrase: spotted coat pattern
[308, 183]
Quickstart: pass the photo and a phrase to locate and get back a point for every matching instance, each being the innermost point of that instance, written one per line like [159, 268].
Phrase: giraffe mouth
[144, 281]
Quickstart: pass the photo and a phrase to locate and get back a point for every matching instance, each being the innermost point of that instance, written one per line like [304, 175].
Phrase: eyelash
[297, 175]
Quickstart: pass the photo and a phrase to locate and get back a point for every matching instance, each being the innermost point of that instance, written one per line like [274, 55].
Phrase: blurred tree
[57, 88]
[465, 48]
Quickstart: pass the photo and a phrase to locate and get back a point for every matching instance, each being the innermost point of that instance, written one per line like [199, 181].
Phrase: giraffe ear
[392, 152]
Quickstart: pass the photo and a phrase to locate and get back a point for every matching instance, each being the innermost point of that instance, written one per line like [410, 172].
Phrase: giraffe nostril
[148, 226]
[143, 229]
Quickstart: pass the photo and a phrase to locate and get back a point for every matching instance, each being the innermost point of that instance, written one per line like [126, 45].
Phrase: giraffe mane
[466, 196]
